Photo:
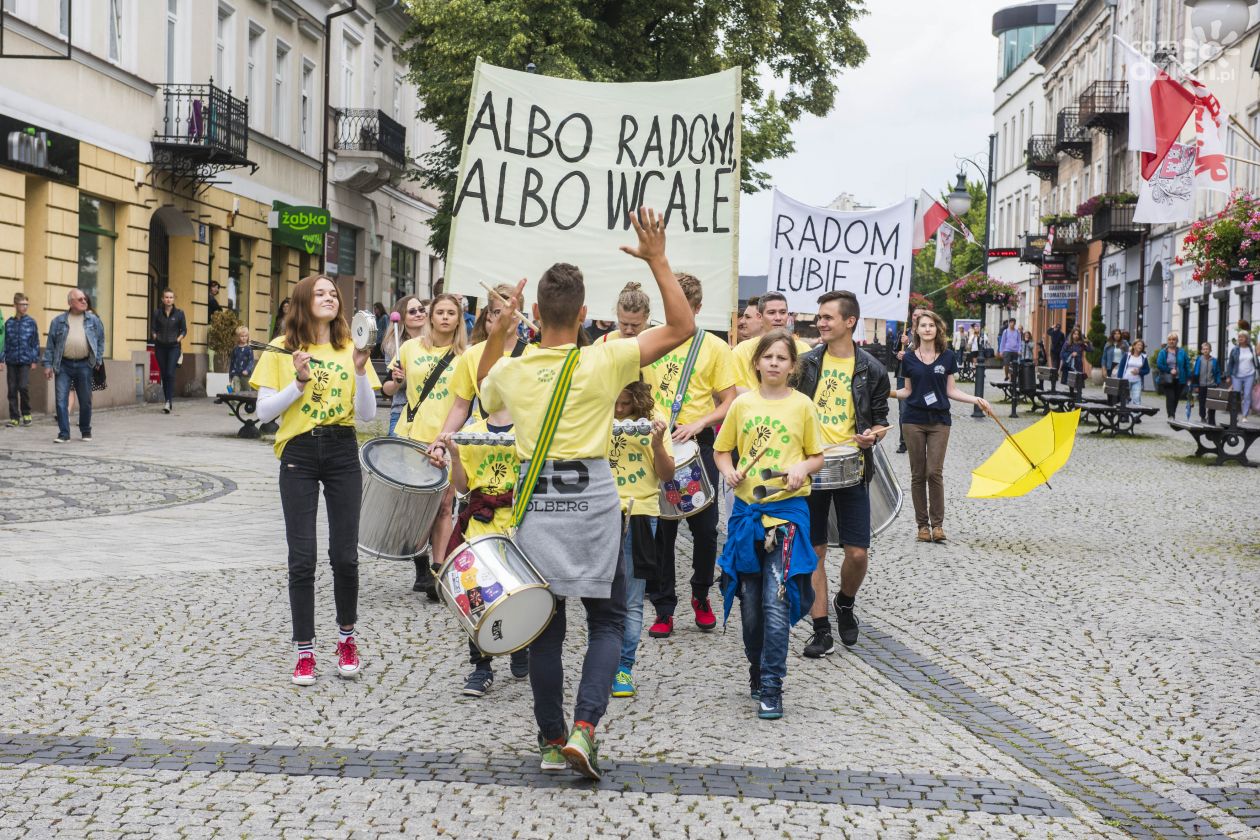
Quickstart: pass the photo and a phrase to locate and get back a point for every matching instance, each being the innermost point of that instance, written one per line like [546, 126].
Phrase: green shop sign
[298, 227]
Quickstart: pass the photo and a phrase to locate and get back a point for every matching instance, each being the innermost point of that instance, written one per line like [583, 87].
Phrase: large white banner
[550, 168]
[814, 250]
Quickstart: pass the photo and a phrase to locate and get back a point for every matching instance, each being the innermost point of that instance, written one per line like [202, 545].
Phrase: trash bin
[1027, 376]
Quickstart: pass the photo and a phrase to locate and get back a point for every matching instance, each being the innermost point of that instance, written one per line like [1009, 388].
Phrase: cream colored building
[153, 155]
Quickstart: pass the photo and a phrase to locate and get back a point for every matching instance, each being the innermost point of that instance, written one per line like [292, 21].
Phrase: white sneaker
[166, 409]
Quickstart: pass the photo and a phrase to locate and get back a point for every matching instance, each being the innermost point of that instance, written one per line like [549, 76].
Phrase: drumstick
[840, 443]
[274, 348]
[394, 318]
[528, 322]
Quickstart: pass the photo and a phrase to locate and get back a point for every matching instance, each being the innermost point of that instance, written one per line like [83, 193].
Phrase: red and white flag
[944, 248]
[1211, 170]
[1159, 107]
[928, 216]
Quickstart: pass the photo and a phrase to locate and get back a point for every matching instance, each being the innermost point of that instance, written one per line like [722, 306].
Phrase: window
[254, 70]
[349, 59]
[240, 266]
[280, 94]
[347, 250]
[96, 258]
[308, 80]
[63, 18]
[376, 82]
[402, 271]
[115, 29]
[398, 97]
[172, 40]
[223, 50]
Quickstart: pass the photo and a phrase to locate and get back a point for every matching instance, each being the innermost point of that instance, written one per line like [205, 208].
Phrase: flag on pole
[1211, 166]
[928, 217]
[1168, 195]
[944, 248]
[1158, 108]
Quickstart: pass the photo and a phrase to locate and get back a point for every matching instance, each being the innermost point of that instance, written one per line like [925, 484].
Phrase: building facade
[151, 168]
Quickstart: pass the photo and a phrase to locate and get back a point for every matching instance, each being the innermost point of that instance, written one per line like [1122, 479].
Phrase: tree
[927, 280]
[1097, 336]
[802, 43]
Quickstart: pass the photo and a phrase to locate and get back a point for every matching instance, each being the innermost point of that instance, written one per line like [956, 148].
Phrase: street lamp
[1222, 21]
[959, 202]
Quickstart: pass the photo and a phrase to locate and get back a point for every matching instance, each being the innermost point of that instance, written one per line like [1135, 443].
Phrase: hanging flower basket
[1225, 247]
[968, 294]
[918, 301]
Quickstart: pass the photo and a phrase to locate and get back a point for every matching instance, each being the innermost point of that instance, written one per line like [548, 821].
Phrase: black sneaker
[770, 706]
[479, 682]
[754, 682]
[520, 664]
[901, 448]
[820, 644]
[422, 573]
[846, 624]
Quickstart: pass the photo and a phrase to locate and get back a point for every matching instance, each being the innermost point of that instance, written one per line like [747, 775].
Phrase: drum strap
[551, 419]
[684, 379]
[442, 365]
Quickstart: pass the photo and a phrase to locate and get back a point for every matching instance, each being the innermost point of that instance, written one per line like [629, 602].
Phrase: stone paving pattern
[1093, 648]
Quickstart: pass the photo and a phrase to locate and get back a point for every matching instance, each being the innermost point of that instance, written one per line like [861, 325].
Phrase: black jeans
[19, 377]
[1172, 396]
[307, 462]
[167, 359]
[1203, 389]
[704, 526]
[605, 625]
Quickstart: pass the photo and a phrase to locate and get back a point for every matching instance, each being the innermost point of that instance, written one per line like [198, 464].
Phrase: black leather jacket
[870, 390]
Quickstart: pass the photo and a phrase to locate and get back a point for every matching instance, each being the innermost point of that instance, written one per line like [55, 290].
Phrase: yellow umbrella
[1026, 459]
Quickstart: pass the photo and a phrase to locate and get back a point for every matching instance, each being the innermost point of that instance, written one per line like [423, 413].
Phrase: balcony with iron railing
[1070, 137]
[1114, 224]
[371, 148]
[1072, 237]
[1105, 106]
[1040, 158]
[204, 130]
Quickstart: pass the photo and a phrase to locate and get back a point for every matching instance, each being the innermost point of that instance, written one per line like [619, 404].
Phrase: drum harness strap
[442, 365]
[551, 419]
[684, 379]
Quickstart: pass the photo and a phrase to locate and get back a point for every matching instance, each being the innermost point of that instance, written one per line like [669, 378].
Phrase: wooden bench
[1227, 440]
[1054, 400]
[244, 403]
[1115, 415]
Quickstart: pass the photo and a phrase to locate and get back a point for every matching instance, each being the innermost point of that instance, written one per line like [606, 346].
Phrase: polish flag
[1159, 107]
[928, 216]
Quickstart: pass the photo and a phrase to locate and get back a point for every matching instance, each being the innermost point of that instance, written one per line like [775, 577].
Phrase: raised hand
[651, 231]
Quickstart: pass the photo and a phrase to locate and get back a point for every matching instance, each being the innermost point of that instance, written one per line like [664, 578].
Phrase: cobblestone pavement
[1077, 663]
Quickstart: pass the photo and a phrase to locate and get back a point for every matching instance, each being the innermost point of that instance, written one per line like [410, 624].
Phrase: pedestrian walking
[1132, 367]
[167, 328]
[1112, 352]
[212, 301]
[317, 385]
[382, 326]
[1242, 369]
[20, 352]
[1072, 356]
[1206, 374]
[1174, 372]
[1027, 347]
[1056, 339]
[413, 315]
[930, 370]
[277, 323]
[1009, 346]
[76, 346]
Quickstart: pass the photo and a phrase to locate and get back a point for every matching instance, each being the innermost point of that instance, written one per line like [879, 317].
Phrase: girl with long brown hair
[317, 389]
[413, 316]
[929, 376]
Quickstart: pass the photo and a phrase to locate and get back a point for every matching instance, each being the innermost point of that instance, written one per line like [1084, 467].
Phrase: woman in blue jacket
[1206, 374]
[1174, 372]
[1242, 369]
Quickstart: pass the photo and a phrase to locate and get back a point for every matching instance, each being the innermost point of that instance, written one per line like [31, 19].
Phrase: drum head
[515, 621]
[363, 330]
[402, 462]
[685, 451]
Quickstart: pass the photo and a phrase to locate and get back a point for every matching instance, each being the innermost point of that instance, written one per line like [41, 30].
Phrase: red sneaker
[304, 673]
[347, 659]
[662, 627]
[705, 619]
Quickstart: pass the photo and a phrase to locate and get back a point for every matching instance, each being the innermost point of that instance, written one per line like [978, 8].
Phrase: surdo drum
[402, 493]
[885, 494]
[496, 594]
[690, 490]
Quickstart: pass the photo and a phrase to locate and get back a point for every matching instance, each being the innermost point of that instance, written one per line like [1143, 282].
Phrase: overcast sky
[924, 95]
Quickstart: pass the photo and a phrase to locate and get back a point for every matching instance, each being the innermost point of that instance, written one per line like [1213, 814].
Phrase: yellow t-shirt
[714, 372]
[464, 382]
[649, 373]
[327, 400]
[787, 429]
[524, 385]
[746, 377]
[492, 470]
[634, 466]
[834, 399]
[418, 363]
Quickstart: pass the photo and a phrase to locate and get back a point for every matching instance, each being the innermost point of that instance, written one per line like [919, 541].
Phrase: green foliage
[222, 338]
[803, 43]
[968, 257]
[1097, 336]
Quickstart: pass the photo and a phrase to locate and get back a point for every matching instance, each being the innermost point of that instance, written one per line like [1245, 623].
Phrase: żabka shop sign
[299, 227]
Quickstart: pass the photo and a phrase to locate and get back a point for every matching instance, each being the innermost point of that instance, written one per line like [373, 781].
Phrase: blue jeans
[636, 590]
[394, 413]
[1135, 392]
[1243, 384]
[168, 363]
[76, 373]
[765, 618]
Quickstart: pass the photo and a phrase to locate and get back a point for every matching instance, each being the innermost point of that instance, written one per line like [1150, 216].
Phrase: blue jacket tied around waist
[744, 530]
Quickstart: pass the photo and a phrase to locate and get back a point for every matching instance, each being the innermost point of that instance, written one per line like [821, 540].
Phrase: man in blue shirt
[1008, 346]
[76, 345]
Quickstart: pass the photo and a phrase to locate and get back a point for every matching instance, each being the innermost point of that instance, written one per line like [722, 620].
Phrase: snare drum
[841, 468]
[402, 493]
[690, 490]
[496, 594]
[363, 330]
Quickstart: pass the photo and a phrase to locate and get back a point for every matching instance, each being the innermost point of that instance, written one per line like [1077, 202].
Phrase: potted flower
[1225, 247]
[967, 294]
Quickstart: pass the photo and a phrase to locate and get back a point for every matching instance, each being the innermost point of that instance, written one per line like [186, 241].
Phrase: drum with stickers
[690, 490]
[402, 494]
[496, 594]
